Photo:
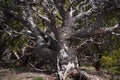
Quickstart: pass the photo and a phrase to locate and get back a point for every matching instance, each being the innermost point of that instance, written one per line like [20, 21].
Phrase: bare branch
[70, 8]
[52, 23]
[36, 69]
[116, 34]
[16, 55]
[45, 8]
[60, 6]
[44, 18]
[87, 13]
[90, 33]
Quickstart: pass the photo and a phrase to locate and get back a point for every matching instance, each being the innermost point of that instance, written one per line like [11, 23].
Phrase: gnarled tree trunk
[61, 17]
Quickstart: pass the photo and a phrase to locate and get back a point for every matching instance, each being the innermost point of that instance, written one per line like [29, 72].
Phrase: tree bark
[67, 57]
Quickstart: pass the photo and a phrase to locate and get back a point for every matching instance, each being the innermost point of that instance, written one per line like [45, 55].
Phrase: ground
[12, 74]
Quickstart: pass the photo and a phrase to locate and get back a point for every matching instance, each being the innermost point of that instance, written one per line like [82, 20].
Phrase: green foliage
[111, 59]
[108, 61]
[38, 78]
[18, 43]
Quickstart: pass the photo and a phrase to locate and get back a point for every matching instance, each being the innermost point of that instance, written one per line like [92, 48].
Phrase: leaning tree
[57, 26]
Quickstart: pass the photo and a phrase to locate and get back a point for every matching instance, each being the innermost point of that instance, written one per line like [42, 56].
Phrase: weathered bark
[67, 57]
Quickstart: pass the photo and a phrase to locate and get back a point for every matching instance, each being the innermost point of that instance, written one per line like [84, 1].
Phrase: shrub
[38, 78]
[108, 61]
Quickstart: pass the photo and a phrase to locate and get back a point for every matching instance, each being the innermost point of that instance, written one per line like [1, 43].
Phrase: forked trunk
[67, 62]
[67, 58]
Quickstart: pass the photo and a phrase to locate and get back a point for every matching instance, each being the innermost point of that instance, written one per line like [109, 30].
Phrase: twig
[36, 69]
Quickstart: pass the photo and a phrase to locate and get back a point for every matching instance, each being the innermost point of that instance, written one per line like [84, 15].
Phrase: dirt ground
[9, 74]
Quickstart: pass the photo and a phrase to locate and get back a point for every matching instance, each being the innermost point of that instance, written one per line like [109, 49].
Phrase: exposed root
[76, 75]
